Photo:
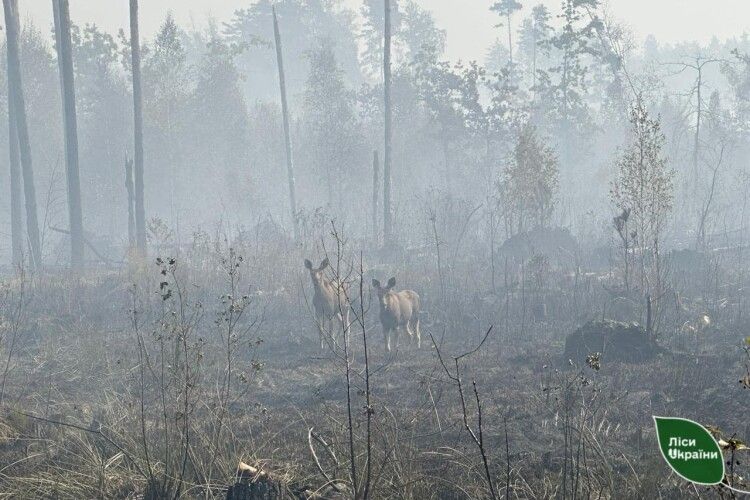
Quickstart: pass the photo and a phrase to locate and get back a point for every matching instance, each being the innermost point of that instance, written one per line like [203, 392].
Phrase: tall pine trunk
[285, 116]
[387, 222]
[70, 121]
[135, 52]
[16, 196]
[15, 94]
[131, 195]
[375, 196]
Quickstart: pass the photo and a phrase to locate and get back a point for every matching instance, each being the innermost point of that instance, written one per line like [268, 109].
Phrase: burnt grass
[70, 421]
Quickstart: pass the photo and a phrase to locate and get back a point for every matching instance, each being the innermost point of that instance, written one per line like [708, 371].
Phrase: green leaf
[690, 450]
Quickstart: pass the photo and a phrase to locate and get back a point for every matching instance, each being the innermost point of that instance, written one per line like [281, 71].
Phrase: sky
[469, 24]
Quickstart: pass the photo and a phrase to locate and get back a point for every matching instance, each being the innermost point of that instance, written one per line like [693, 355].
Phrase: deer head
[383, 290]
[316, 274]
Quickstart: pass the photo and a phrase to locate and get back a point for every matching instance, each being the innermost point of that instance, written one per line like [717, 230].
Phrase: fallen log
[88, 244]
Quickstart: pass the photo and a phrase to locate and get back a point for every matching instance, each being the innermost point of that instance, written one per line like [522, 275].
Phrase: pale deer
[398, 310]
[329, 300]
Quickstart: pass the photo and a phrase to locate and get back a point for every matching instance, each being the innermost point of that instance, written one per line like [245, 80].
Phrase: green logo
[690, 450]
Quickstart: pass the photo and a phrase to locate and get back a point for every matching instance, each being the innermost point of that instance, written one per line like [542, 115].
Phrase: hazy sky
[469, 24]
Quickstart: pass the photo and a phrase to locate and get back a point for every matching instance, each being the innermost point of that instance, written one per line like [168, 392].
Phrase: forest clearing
[302, 253]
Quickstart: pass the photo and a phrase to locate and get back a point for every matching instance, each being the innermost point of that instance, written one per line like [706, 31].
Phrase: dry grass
[72, 425]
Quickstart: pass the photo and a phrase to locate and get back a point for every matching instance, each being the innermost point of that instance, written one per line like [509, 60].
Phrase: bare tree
[285, 115]
[705, 208]
[135, 53]
[15, 94]
[697, 64]
[67, 90]
[477, 433]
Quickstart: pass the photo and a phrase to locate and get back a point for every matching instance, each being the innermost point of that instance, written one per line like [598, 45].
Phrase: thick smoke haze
[468, 23]
[374, 249]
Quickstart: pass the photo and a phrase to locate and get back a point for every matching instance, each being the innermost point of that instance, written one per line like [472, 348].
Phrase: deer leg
[387, 337]
[396, 331]
[409, 331]
[419, 334]
[319, 323]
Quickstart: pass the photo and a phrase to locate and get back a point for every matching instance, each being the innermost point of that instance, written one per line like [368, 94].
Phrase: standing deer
[397, 310]
[329, 300]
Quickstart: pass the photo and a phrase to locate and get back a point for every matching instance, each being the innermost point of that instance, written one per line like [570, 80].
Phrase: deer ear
[323, 264]
[308, 264]
[391, 282]
[375, 283]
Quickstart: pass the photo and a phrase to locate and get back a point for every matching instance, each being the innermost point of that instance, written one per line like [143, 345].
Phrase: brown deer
[329, 300]
[397, 310]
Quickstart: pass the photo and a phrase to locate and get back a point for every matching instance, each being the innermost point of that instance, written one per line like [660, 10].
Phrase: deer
[398, 310]
[329, 300]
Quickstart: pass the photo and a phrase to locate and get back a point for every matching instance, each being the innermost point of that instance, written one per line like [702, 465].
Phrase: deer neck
[323, 286]
[388, 300]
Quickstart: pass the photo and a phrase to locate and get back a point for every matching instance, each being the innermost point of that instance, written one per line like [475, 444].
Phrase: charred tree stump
[254, 484]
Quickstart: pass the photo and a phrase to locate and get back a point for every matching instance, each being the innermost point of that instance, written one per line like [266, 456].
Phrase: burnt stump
[615, 340]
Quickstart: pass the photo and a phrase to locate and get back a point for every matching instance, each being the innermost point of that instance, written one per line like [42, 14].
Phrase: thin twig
[328, 479]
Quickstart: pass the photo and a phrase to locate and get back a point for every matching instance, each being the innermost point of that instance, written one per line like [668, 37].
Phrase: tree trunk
[131, 214]
[649, 323]
[533, 67]
[375, 196]
[387, 222]
[696, 137]
[16, 197]
[135, 52]
[510, 42]
[67, 91]
[15, 94]
[285, 115]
